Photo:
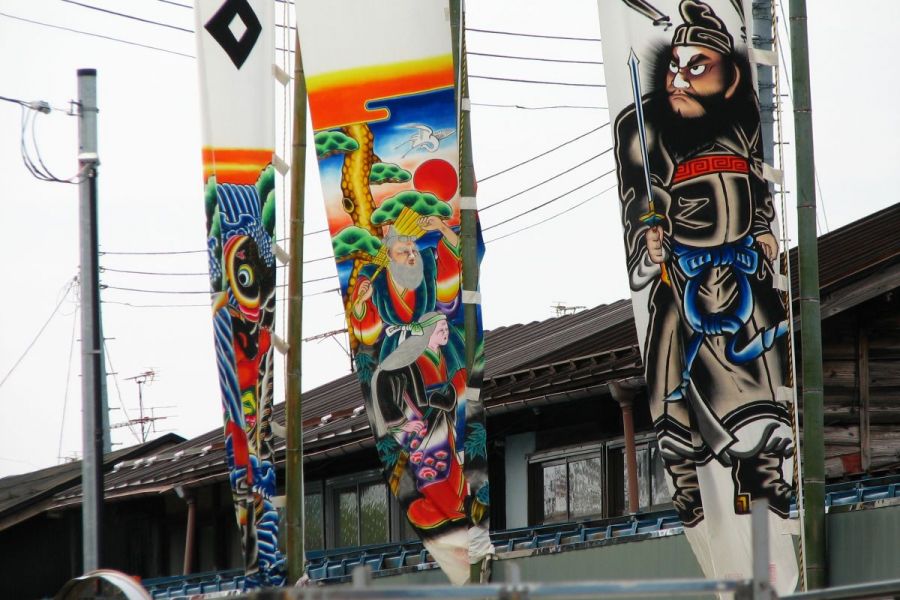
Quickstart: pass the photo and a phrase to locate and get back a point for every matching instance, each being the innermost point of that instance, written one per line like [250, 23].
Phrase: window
[566, 486]
[360, 511]
[313, 522]
[651, 474]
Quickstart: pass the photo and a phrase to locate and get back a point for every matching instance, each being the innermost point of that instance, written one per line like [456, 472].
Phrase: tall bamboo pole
[468, 218]
[468, 223]
[293, 402]
[810, 317]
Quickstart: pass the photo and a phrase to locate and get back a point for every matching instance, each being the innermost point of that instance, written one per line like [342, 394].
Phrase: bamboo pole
[810, 316]
[468, 223]
[293, 400]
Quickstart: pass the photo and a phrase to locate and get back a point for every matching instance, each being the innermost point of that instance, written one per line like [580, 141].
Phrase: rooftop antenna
[563, 310]
[146, 422]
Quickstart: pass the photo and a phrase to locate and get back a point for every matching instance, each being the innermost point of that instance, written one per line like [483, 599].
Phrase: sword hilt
[652, 218]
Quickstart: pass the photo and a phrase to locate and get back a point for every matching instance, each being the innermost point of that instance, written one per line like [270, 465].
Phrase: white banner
[235, 43]
[702, 256]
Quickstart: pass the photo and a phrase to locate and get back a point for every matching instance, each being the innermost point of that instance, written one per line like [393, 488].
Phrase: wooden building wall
[861, 366]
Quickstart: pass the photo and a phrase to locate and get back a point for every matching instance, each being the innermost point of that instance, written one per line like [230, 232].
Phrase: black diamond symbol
[219, 27]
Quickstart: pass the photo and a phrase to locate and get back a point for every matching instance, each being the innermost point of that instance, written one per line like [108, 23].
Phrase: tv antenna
[562, 309]
[145, 420]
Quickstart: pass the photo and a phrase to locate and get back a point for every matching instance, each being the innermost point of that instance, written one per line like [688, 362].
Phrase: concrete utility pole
[810, 313]
[92, 369]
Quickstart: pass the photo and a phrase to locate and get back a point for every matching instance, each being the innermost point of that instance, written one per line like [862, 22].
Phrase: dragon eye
[698, 69]
[673, 68]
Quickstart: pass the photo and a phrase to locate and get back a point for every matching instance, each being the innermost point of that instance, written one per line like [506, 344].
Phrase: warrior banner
[235, 49]
[700, 236]
[383, 108]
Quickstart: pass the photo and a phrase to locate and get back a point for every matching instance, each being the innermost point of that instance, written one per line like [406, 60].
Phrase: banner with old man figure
[235, 45]
[380, 80]
[700, 236]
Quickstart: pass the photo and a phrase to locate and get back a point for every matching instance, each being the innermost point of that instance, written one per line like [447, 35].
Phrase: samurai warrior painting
[702, 243]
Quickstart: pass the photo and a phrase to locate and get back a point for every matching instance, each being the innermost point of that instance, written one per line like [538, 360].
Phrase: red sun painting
[438, 177]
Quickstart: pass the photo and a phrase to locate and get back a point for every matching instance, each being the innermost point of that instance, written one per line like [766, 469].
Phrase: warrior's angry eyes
[694, 70]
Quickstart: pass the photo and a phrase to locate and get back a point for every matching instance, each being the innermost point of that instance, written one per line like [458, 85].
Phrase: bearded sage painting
[383, 107]
[701, 243]
[235, 49]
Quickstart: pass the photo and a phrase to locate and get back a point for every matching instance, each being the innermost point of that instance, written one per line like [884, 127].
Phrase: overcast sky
[150, 194]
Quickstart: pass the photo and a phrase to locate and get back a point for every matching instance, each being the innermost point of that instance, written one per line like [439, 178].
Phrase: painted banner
[380, 80]
[235, 40]
[700, 236]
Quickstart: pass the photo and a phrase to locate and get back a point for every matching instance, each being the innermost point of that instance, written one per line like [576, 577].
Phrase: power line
[549, 179]
[65, 295]
[545, 153]
[521, 107]
[195, 292]
[62, 423]
[550, 218]
[551, 201]
[539, 81]
[177, 4]
[112, 371]
[132, 17]
[791, 96]
[534, 35]
[96, 35]
[555, 60]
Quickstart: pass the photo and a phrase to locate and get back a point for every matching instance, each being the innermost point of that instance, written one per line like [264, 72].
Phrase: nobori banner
[383, 105]
[700, 233]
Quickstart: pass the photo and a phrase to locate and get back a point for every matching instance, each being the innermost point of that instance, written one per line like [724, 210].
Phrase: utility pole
[92, 369]
[810, 316]
[293, 403]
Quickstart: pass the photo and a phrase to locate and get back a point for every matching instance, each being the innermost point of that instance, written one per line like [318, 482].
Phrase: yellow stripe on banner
[341, 97]
[235, 165]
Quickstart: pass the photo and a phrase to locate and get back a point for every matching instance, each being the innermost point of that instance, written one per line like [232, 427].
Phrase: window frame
[537, 461]
[642, 441]
[357, 480]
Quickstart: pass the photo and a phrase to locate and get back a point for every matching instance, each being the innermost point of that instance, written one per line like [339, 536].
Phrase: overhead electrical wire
[535, 58]
[62, 423]
[548, 202]
[539, 81]
[127, 16]
[65, 294]
[112, 371]
[177, 4]
[548, 180]
[550, 218]
[192, 292]
[791, 96]
[545, 153]
[96, 35]
[521, 107]
[534, 35]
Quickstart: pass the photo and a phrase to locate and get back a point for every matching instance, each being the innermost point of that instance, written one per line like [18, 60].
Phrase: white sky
[151, 195]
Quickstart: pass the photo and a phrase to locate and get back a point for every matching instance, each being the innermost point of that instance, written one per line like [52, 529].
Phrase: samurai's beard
[686, 135]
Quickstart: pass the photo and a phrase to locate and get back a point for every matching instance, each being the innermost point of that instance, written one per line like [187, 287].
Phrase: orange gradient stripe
[235, 165]
[340, 98]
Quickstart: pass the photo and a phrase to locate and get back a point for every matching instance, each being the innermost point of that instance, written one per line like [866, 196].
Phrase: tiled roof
[525, 362]
[28, 489]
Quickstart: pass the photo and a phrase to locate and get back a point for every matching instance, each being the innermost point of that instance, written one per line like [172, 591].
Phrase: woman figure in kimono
[416, 416]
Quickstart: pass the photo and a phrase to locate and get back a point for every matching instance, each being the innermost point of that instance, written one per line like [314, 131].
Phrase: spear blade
[652, 217]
